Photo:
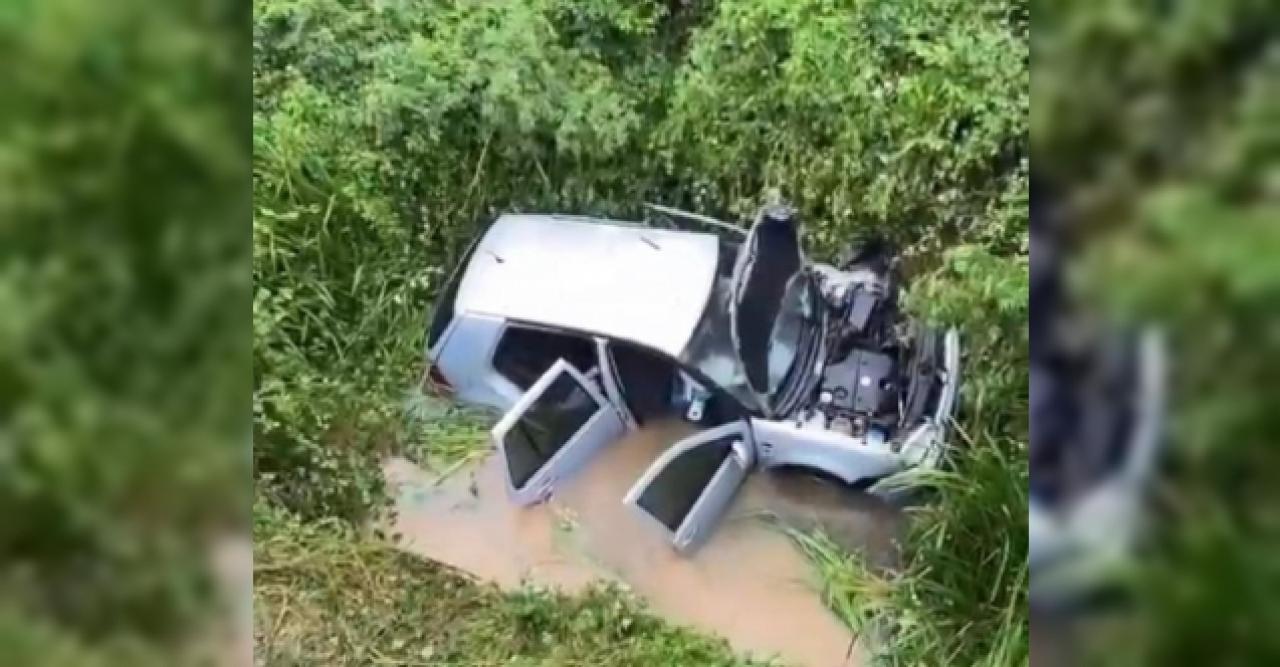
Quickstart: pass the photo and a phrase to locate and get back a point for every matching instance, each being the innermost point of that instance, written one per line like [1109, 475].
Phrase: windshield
[795, 312]
[712, 352]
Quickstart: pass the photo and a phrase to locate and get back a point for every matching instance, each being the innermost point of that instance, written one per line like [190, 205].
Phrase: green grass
[959, 595]
[325, 593]
[442, 436]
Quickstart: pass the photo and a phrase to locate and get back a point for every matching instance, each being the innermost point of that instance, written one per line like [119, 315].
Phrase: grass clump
[959, 593]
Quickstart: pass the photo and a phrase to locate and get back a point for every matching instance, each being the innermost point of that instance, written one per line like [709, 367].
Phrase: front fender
[846, 458]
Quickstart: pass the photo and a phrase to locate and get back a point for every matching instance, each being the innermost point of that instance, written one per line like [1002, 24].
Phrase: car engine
[876, 380]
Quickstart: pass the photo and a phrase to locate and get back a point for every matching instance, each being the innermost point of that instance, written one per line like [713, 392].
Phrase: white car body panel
[647, 286]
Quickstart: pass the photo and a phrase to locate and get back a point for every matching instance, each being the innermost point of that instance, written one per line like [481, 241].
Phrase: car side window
[524, 354]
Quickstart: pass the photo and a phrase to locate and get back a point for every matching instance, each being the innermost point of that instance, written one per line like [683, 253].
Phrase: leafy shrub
[906, 117]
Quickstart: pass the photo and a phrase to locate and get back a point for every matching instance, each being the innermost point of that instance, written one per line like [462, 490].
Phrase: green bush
[906, 117]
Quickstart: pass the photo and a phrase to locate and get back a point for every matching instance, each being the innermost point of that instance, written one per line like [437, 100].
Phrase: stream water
[749, 583]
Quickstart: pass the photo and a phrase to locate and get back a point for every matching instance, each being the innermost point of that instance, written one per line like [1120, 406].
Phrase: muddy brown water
[748, 583]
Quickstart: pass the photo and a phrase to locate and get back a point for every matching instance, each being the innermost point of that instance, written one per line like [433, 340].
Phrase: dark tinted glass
[553, 418]
[645, 379]
[524, 354]
[674, 491]
[776, 260]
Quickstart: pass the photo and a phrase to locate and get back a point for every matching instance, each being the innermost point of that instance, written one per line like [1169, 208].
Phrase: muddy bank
[748, 583]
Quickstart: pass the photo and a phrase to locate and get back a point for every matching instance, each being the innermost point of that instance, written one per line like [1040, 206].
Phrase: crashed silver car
[579, 329]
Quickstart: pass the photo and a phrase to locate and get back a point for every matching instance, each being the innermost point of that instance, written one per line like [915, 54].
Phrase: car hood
[766, 261]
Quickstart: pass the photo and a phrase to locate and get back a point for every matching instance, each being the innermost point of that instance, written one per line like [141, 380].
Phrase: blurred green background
[1158, 123]
[124, 314]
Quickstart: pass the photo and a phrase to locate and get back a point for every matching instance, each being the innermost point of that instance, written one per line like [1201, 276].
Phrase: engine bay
[880, 373]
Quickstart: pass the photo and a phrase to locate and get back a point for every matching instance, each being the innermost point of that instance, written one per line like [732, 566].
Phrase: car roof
[615, 279]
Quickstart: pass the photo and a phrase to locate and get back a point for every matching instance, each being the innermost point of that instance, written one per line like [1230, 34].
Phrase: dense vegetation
[386, 135]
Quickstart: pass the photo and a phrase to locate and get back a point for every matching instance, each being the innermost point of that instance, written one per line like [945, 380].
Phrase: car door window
[524, 353]
[562, 409]
[689, 488]
[645, 380]
[675, 489]
[553, 430]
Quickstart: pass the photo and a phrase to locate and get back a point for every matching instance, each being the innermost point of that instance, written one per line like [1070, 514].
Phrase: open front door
[687, 490]
[555, 427]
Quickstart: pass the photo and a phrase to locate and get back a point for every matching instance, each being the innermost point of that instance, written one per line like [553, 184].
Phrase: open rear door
[687, 490]
[555, 427]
